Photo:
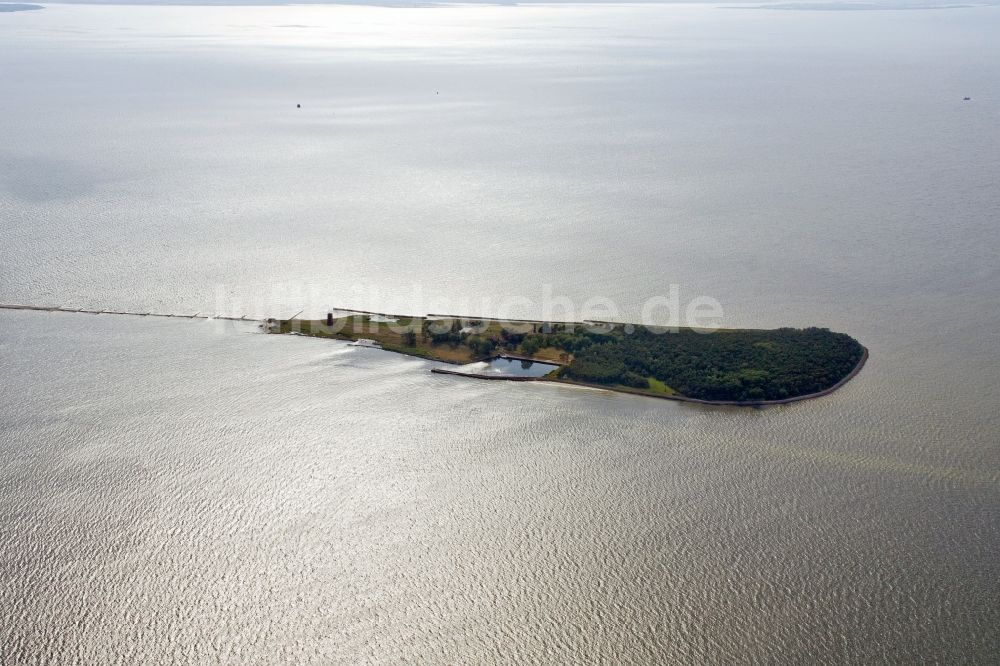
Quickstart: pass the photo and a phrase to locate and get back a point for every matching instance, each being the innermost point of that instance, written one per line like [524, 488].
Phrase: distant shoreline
[6, 7]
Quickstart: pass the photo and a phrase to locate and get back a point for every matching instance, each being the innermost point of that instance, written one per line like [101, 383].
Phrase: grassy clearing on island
[656, 386]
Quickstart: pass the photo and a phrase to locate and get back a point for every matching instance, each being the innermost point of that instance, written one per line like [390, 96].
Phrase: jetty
[127, 313]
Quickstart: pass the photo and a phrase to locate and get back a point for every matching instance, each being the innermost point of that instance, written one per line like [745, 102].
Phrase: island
[746, 367]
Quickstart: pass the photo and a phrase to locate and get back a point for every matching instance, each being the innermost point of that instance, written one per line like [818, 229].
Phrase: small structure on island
[329, 319]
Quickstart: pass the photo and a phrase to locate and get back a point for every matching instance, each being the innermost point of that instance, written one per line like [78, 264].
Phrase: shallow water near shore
[195, 491]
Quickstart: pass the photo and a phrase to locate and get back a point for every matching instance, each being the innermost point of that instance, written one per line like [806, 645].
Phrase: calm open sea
[178, 491]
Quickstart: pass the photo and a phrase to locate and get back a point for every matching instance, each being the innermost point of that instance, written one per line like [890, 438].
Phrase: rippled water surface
[183, 491]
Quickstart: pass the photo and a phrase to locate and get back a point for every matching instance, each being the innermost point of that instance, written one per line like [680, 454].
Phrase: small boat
[365, 342]
[966, 99]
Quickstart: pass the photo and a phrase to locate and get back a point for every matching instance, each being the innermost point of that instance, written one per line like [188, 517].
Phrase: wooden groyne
[52, 308]
[387, 315]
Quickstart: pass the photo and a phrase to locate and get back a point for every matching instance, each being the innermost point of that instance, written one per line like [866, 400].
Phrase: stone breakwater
[50, 308]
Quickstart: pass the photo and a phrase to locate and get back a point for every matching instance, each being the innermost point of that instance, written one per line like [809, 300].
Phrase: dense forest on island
[743, 365]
